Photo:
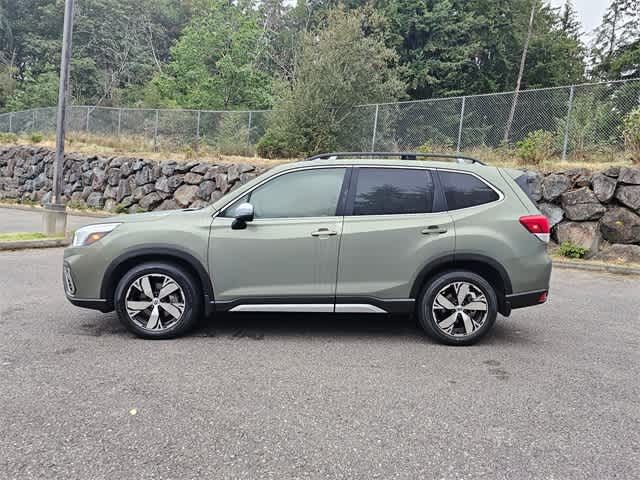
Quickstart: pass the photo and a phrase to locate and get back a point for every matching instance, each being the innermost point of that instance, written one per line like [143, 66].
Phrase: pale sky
[589, 11]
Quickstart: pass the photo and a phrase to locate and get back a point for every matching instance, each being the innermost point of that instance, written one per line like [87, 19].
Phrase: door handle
[434, 229]
[321, 232]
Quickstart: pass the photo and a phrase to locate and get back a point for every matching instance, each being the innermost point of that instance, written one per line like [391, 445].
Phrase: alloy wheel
[155, 302]
[460, 309]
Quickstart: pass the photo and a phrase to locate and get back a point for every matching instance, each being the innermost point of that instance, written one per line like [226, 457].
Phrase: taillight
[537, 225]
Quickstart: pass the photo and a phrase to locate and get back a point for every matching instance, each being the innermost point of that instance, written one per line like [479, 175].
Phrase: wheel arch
[150, 253]
[488, 268]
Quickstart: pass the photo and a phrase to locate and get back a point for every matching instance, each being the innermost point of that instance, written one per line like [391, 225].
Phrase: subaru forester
[446, 238]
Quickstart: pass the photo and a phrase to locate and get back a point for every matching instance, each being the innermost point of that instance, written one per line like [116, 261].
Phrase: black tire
[433, 288]
[190, 291]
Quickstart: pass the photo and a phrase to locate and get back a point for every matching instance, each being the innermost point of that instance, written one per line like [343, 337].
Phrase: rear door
[394, 225]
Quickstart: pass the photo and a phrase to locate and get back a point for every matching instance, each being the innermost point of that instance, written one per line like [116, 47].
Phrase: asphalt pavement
[15, 220]
[552, 393]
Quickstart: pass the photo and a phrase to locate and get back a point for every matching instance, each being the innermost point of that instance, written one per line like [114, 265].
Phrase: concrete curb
[75, 213]
[592, 267]
[29, 244]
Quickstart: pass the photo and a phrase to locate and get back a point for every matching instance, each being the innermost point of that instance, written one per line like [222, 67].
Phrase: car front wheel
[158, 300]
[458, 308]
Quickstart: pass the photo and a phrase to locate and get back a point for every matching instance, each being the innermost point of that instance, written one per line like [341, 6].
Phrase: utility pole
[523, 60]
[55, 215]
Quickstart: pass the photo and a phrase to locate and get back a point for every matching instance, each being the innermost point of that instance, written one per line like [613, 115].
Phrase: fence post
[10, 122]
[198, 127]
[249, 131]
[119, 121]
[375, 129]
[567, 124]
[464, 102]
[35, 119]
[155, 131]
[88, 118]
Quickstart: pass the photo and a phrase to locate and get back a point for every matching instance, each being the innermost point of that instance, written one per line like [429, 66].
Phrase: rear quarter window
[525, 184]
[463, 190]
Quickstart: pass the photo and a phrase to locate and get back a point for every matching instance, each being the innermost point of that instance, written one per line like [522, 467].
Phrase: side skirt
[316, 305]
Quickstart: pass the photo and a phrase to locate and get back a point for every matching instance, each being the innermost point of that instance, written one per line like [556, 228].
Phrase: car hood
[145, 217]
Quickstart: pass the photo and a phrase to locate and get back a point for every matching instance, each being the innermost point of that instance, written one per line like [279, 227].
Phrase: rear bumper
[526, 299]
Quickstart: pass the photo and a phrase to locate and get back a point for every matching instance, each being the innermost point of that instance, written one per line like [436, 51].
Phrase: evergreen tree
[619, 29]
[569, 23]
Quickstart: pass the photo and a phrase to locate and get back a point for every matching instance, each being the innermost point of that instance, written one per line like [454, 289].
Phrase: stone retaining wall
[118, 184]
[598, 211]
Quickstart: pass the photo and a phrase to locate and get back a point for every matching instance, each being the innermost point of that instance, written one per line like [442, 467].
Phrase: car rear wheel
[457, 308]
[158, 300]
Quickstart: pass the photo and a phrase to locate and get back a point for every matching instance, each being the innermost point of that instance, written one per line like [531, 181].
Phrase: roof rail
[402, 155]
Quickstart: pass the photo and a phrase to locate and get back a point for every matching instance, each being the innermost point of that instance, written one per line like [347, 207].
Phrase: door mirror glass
[243, 214]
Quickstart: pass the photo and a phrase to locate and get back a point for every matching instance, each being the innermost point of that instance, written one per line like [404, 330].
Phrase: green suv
[448, 238]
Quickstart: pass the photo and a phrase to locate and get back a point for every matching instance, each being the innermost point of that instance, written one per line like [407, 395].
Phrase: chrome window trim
[501, 195]
[499, 192]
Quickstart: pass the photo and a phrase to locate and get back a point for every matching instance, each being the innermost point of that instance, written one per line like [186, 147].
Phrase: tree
[625, 62]
[215, 62]
[338, 67]
[618, 31]
[557, 54]
[569, 23]
[116, 44]
[459, 47]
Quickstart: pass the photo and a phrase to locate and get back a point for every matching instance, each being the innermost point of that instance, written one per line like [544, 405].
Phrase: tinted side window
[307, 193]
[384, 191]
[462, 190]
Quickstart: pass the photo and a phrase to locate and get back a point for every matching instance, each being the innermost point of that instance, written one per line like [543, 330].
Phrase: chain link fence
[581, 119]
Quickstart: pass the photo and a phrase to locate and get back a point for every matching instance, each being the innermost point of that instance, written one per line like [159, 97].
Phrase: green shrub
[434, 147]
[278, 143]
[8, 138]
[120, 209]
[632, 133]
[190, 152]
[232, 135]
[77, 205]
[535, 147]
[570, 250]
[36, 137]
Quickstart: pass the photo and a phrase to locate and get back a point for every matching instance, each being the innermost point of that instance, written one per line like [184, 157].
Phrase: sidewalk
[14, 220]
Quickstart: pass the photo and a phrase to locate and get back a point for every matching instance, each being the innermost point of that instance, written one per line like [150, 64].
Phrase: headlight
[92, 233]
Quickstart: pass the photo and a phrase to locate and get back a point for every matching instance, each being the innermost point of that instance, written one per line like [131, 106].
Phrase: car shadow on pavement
[261, 326]
[342, 326]
[257, 326]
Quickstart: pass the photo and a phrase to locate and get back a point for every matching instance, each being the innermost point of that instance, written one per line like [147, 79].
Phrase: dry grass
[132, 146]
[501, 157]
[141, 147]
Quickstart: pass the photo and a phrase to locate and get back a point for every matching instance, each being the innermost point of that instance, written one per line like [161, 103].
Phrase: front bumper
[70, 289]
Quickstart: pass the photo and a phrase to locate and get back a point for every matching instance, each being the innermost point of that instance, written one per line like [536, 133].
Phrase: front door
[289, 253]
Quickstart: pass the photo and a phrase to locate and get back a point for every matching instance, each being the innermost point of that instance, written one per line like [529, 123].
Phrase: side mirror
[244, 214]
